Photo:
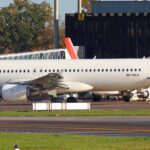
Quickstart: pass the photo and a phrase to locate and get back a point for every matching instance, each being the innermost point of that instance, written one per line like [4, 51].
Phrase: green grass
[33, 141]
[144, 112]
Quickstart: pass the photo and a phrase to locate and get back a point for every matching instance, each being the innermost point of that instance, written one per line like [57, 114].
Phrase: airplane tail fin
[70, 48]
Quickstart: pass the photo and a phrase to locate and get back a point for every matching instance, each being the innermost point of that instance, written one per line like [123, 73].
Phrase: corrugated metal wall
[111, 35]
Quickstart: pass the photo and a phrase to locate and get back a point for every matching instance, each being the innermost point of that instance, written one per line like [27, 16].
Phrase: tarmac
[126, 125]
[108, 125]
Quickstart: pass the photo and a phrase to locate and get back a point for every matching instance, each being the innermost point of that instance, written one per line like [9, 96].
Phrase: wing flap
[49, 81]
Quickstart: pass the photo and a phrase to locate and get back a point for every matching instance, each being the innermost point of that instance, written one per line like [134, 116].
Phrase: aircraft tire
[126, 98]
[71, 100]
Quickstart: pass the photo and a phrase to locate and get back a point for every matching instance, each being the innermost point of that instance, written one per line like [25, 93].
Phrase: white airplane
[22, 79]
[126, 94]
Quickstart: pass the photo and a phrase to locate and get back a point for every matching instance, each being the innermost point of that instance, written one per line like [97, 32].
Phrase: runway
[130, 126]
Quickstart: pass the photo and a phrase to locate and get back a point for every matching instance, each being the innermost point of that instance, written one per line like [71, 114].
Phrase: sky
[65, 6]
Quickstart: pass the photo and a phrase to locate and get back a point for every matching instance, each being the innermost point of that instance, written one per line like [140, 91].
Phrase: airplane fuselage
[101, 74]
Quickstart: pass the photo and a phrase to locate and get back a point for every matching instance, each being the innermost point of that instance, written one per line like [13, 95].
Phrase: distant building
[120, 6]
[115, 29]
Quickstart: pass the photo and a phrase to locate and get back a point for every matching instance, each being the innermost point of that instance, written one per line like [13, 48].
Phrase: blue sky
[65, 6]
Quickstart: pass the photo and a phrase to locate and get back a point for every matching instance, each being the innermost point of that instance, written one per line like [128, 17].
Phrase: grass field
[28, 141]
[144, 112]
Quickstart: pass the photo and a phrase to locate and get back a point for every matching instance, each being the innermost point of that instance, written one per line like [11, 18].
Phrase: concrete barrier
[60, 106]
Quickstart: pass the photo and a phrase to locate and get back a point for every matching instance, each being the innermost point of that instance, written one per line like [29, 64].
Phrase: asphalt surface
[139, 126]
[120, 105]
[112, 126]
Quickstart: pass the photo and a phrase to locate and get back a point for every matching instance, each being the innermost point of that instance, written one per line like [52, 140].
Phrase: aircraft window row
[68, 70]
[101, 70]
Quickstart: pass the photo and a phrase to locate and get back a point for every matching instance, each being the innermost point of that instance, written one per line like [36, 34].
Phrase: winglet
[70, 48]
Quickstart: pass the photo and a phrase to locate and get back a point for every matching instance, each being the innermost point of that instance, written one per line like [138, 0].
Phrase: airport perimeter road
[94, 105]
[139, 126]
[120, 105]
[16, 106]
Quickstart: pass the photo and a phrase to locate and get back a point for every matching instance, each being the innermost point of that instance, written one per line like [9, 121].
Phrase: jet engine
[143, 94]
[15, 92]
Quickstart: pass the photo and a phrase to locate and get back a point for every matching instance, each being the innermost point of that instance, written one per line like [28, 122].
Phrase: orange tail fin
[70, 48]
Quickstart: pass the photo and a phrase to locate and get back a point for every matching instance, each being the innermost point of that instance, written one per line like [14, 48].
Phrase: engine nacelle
[143, 94]
[13, 92]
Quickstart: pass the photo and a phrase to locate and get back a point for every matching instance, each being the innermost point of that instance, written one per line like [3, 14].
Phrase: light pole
[79, 6]
[56, 24]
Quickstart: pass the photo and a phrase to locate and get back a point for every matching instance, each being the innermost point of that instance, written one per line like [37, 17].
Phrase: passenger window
[41, 70]
[98, 70]
[86, 70]
[45, 70]
[65, 70]
[139, 69]
[49, 70]
[77, 70]
[102, 70]
[110, 70]
[127, 70]
[3, 71]
[74, 70]
[57, 70]
[28, 70]
[69, 70]
[118, 70]
[135, 69]
[8, 71]
[122, 70]
[20, 71]
[94, 70]
[90, 70]
[16, 71]
[106, 70]
[24, 71]
[53, 70]
[131, 69]
[114, 70]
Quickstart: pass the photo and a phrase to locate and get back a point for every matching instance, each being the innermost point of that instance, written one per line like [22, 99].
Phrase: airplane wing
[49, 81]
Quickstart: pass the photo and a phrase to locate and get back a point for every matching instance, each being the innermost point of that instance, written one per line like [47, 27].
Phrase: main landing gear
[71, 99]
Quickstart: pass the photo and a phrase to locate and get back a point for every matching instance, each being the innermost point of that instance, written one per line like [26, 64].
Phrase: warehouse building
[114, 29]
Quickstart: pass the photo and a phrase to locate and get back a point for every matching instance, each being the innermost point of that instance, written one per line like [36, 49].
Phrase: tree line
[27, 26]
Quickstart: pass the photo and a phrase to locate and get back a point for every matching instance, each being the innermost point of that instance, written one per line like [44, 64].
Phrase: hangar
[114, 29]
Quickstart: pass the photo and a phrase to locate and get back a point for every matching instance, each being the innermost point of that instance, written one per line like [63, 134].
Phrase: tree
[86, 5]
[62, 35]
[24, 26]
